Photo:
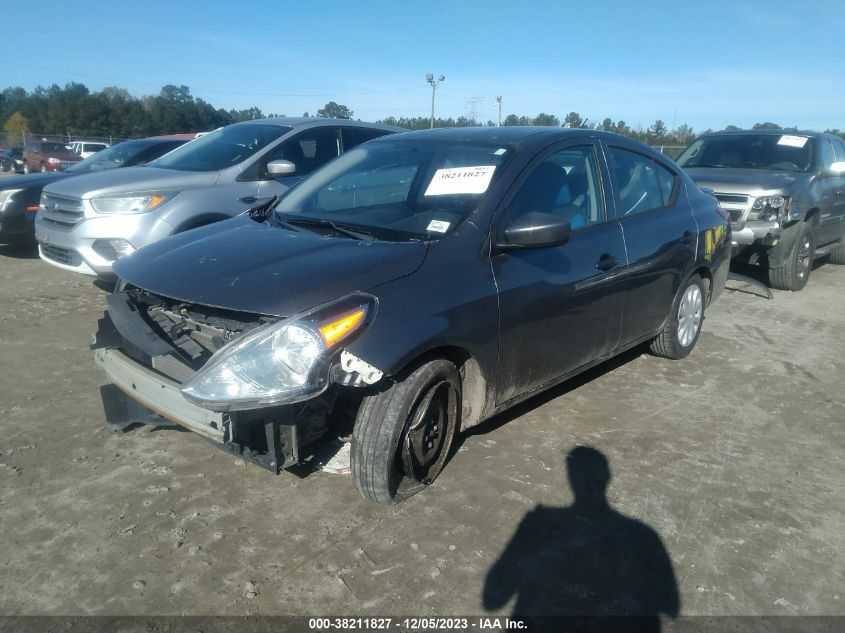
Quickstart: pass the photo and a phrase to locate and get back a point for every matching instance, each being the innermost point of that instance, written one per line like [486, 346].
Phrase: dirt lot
[734, 457]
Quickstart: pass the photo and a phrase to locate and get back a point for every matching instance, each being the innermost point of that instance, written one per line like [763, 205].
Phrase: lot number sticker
[460, 180]
[793, 141]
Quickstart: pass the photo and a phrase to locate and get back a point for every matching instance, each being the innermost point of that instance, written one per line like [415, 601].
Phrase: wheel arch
[476, 389]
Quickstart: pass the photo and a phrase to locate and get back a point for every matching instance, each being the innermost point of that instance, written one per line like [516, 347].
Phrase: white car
[88, 148]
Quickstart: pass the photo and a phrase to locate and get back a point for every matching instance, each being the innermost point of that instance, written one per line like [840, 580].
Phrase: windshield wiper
[704, 165]
[355, 233]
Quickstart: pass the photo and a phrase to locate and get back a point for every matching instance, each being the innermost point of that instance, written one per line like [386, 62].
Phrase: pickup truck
[784, 192]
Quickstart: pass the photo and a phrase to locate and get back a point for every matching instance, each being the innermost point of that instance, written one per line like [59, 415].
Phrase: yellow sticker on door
[713, 240]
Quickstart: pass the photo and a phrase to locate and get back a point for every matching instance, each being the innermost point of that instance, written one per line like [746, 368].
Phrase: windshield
[55, 148]
[222, 148]
[117, 156]
[397, 190]
[784, 152]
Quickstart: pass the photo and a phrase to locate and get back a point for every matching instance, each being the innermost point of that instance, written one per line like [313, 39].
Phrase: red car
[47, 156]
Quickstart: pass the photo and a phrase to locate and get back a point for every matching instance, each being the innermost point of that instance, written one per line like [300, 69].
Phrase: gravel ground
[726, 490]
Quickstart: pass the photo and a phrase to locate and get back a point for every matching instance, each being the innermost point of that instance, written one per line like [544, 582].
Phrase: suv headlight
[769, 208]
[134, 203]
[282, 362]
[6, 197]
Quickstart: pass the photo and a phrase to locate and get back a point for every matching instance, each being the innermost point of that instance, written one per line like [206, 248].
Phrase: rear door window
[353, 136]
[309, 150]
[638, 188]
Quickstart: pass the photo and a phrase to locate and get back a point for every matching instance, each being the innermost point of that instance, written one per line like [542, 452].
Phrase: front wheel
[403, 435]
[795, 272]
[683, 327]
[26, 168]
[43, 168]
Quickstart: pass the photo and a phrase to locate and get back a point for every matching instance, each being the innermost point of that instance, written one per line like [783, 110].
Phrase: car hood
[747, 181]
[32, 180]
[242, 265]
[132, 179]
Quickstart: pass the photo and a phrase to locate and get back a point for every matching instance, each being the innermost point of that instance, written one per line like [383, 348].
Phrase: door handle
[606, 262]
[688, 238]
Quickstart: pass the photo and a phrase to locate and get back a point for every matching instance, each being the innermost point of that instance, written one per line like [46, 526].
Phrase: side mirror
[837, 168]
[536, 230]
[281, 168]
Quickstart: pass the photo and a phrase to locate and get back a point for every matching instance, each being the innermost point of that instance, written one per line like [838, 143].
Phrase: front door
[560, 307]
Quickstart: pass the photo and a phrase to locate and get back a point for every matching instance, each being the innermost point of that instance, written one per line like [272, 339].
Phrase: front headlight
[769, 208]
[6, 197]
[135, 203]
[280, 363]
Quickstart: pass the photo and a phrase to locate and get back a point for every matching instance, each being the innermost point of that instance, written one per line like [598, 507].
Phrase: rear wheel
[683, 327]
[403, 435]
[43, 168]
[26, 167]
[837, 253]
[795, 271]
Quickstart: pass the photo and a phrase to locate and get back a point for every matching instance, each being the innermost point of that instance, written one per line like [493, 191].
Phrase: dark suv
[47, 156]
[432, 278]
[785, 193]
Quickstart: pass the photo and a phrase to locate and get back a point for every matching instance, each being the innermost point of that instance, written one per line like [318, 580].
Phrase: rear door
[560, 307]
[660, 236]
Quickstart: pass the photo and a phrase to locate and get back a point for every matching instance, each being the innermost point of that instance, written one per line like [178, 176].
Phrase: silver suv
[86, 223]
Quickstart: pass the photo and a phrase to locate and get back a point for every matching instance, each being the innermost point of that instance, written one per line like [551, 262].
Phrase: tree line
[76, 111]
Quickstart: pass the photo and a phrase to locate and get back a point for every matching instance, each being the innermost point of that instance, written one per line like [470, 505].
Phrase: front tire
[43, 168]
[403, 435]
[795, 272]
[26, 168]
[683, 327]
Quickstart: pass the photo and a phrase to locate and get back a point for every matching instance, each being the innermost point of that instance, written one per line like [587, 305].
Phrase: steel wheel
[689, 315]
[423, 441]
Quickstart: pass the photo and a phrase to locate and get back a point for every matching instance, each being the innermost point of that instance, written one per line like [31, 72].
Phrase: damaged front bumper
[147, 366]
[758, 237]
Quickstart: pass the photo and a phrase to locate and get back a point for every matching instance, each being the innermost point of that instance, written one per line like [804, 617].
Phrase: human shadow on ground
[585, 566]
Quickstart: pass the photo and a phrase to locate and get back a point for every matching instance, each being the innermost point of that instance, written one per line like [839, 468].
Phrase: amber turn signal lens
[155, 200]
[335, 330]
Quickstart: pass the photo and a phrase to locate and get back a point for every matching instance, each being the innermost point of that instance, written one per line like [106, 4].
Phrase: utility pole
[430, 79]
[499, 111]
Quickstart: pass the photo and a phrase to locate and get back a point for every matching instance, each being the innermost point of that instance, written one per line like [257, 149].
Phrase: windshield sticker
[438, 226]
[460, 180]
[793, 141]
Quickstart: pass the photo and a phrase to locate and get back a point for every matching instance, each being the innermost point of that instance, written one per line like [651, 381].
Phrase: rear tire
[403, 435]
[683, 327]
[43, 168]
[837, 253]
[795, 272]
[26, 168]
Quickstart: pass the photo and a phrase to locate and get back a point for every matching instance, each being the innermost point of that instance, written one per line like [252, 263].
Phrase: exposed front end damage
[150, 346]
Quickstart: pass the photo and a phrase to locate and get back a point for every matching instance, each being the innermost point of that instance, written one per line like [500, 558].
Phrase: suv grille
[735, 204]
[66, 256]
[60, 210]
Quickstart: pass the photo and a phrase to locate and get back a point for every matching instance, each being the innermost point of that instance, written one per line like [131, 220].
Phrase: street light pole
[430, 79]
[499, 111]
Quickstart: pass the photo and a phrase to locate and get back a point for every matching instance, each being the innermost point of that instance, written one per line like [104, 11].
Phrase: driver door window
[566, 185]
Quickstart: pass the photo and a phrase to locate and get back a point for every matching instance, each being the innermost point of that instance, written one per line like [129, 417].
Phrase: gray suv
[86, 223]
[784, 192]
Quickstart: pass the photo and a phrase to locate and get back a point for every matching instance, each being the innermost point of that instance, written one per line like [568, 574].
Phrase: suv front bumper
[72, 247]
[769, 238]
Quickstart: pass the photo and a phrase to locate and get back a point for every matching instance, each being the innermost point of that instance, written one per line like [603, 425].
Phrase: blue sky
[713, 63]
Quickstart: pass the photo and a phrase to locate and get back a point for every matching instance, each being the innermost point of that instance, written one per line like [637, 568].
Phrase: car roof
[290, 121]
[510, 134]
[769, 132]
